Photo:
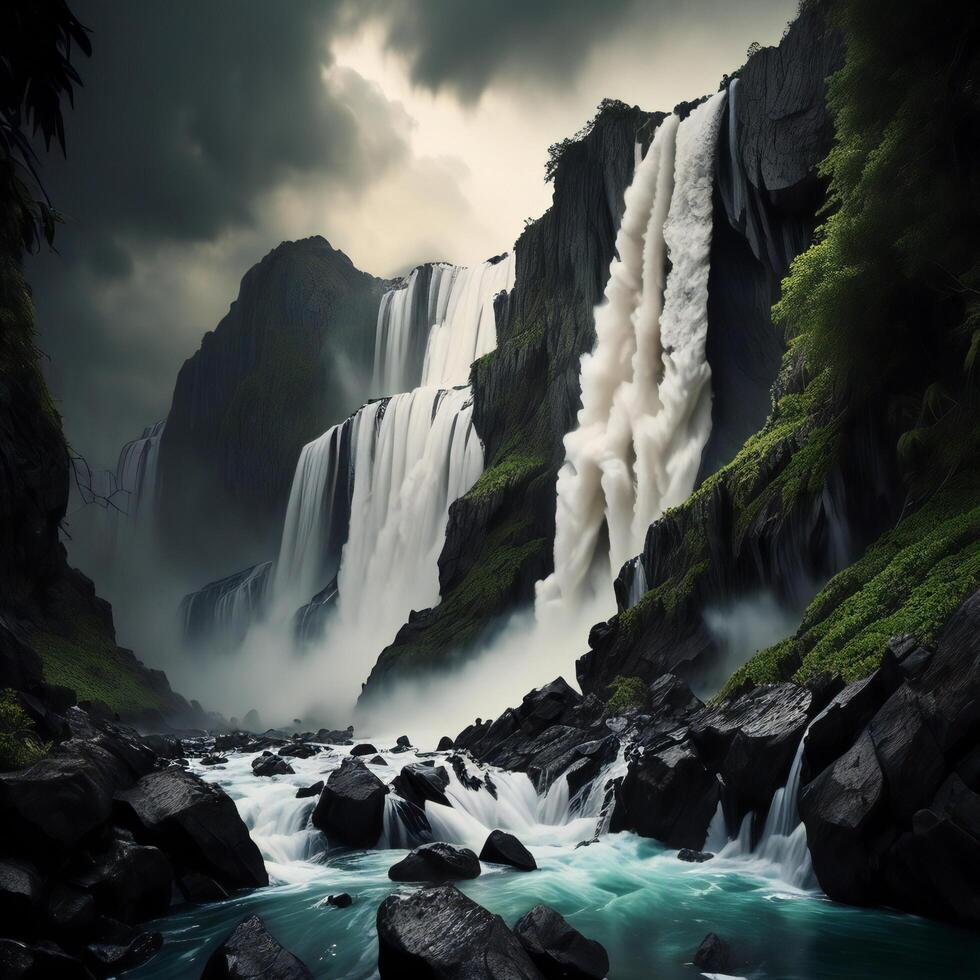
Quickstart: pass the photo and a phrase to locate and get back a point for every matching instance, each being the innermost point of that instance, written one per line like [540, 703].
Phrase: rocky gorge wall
[293, 355]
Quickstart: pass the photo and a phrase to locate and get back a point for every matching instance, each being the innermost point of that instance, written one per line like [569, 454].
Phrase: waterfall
[414, 455]
[136, 472]
[646, 396]
[317, 515]
[225, 608]
[783, 841]
[435, 323]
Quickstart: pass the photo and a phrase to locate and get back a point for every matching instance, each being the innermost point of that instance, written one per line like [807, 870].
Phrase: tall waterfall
[415, 454]
[435, 323]
[646, 393]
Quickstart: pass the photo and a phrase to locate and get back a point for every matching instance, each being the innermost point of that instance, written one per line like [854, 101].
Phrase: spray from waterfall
[646, 395]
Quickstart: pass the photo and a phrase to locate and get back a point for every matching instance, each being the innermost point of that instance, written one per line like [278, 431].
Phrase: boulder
[668, 795]
[557, 949]
[327, 736]
[299, 750]
[418, 783]
[110, 959]
[377, 761]
[404, 741]
[504, 848]
[130, 882]
[436, 863]
[341, 901]
[441, 934]
[351, 807]
[70, 912]
[271, 765]
[21, 897]
[200, 888]
[694, 857]
[213, 760]
[195, 822]
[445, 744]
[251, 952]
[365, 748]
[837, 807]
[20, 961]
[305, 791]
[714, 955]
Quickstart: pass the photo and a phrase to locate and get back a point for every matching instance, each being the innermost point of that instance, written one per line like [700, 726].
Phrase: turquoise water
[647, 908]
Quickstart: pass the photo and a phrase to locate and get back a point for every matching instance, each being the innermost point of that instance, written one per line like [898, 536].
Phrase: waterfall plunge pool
[647, 908]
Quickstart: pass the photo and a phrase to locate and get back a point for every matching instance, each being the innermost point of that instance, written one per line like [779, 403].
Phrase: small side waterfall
[646, 395]
[137, 472]
[436, 322]
[783, 841]
[227, 607]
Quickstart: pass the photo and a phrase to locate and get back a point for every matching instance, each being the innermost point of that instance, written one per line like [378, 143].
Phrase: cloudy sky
[208, 131]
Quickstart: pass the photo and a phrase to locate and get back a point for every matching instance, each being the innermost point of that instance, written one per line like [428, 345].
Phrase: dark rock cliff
[774, 132]
[292, 356]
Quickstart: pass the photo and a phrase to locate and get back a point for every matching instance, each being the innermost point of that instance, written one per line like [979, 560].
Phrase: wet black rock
[351, 807]
[668, 794]
[418, 783]
[694, 857]
[714, 955]
[271, 765]
[130, 882]
[21, 895]
[195, 821]
[377, 761]
[341, 901]
[213, 760]
[436, 863]
[200, 888]
[557, 949]
[365, 748]
[892, 820]
[305, 791]
[251, 952]
[70, 912]
[110, 959]
[445, 744]
[504, 848]
[299, 750]
[404, 741]
[441, 934]
[328, 736]
[21, 961]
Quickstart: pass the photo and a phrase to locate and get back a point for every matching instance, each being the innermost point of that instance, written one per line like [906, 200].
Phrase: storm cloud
[209, 130]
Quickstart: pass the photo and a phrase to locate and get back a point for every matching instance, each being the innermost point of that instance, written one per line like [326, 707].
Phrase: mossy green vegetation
[910, 581]
[78, 650]
[20, 745]
[627, 694]
[513, 467]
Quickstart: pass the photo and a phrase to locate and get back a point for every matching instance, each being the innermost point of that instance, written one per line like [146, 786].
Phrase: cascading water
[225, 608]
[432, 326]
[414, 455]
[136, 471]
[783, 842]
[646, 398]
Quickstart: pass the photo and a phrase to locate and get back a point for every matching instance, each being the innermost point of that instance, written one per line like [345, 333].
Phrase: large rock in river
[437, 863]
[195, 822]
[352, 805]
[558, 950]
[251, 952]
[439, 933]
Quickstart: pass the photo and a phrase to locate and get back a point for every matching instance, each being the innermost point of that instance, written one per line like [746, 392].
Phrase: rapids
[647, 908]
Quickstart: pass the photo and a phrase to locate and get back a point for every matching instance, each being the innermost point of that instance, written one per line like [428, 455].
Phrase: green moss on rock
[20, 745]
[627, 694]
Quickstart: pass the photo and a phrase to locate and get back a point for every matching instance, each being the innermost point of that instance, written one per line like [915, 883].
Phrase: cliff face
[292, 356]
[526, 394]
[56, 635]
[775, 132]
